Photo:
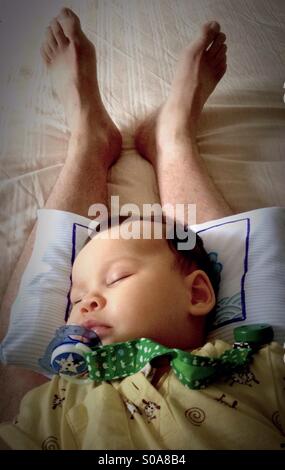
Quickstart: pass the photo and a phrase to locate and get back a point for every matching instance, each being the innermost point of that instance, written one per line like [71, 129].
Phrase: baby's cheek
[73, 317]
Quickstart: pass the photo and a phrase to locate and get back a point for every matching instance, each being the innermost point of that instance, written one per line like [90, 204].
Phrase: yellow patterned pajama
[244, 411]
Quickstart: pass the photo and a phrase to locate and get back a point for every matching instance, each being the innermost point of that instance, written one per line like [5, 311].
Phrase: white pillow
[249, 247]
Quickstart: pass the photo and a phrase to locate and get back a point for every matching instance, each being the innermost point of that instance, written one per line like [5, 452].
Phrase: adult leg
[94, 145]
[167, 138]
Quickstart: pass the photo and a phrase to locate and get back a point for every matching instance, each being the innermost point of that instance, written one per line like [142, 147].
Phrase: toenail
[213, 24]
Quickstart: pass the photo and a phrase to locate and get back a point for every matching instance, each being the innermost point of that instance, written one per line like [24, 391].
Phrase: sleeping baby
[137, 371]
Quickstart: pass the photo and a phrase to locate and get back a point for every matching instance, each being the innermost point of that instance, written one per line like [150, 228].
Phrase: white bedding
[241, 136]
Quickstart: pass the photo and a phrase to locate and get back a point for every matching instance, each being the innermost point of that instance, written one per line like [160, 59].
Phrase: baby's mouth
[100, 329]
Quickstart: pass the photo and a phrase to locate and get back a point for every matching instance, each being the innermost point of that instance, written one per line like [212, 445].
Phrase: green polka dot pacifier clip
[123, 359]
[119, 360]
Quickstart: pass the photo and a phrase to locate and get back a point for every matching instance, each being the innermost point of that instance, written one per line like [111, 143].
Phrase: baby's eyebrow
[121, 258]
[118, 260]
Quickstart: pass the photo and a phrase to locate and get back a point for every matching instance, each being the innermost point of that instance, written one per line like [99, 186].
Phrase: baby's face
[128, 289]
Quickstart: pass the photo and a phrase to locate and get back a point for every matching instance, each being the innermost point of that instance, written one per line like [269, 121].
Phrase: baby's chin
[114, 340]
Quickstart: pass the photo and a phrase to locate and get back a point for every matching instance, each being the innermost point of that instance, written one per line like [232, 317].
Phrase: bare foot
[71, 59]
[201, 66]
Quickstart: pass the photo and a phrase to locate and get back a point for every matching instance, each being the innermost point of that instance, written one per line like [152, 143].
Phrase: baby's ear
[201, 293]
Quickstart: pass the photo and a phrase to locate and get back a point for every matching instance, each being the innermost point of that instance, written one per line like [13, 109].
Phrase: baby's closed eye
[117, 278]
[110, 281]
[114, 280]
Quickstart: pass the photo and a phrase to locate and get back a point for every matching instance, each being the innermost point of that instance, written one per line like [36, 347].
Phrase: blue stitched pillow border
[74, 228]
[239, 298]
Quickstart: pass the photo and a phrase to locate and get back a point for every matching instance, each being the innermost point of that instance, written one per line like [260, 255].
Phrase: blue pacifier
[65, 354]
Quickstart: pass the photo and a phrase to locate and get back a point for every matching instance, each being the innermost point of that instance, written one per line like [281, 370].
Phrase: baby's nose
[93, 303]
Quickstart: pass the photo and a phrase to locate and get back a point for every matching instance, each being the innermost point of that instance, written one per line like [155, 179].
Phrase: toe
[221, 65]
[209, 32]
[58, 33]
[215, 46]
[69, 23]
[68, 13]
[221, 70]
[50, 39]
[45, 55]
[220, 54]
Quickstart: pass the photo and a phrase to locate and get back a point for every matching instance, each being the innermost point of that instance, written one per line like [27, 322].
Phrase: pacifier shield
[65, 352]
[68, 359]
